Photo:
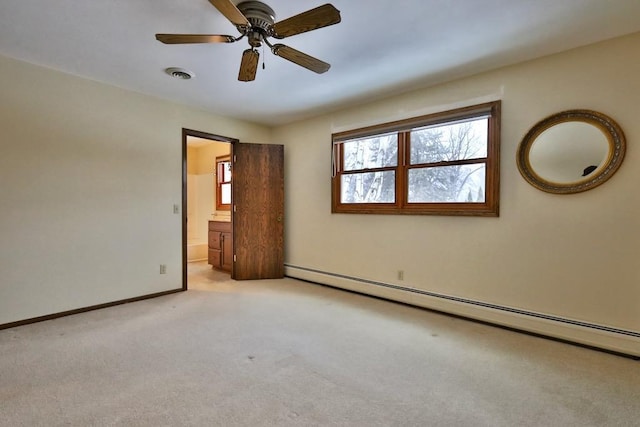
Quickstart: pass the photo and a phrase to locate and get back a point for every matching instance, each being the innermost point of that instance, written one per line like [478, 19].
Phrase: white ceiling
[381, 47]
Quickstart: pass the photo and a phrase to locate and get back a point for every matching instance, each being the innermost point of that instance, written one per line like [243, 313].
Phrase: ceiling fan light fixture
[180, 73]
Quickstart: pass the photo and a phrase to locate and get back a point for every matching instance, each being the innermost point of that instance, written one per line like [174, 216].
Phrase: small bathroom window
[223, 183]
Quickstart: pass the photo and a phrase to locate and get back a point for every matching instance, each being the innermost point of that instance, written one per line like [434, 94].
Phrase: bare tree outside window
[434, 147]
[370, 153]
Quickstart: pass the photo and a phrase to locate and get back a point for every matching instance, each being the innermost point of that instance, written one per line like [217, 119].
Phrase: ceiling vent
[180, 73]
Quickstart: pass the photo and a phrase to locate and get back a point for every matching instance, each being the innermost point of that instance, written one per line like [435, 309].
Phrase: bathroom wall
[201, 185]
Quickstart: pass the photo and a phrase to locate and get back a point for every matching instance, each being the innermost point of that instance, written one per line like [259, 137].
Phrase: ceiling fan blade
[231, 12]
[194, 38]
[321, 16]
[300, 58]
[249, 65]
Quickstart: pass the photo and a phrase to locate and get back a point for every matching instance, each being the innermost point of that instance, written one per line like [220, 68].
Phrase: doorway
[252, 243]
[200, 204]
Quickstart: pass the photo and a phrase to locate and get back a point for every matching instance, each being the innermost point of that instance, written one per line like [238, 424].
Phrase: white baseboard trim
[581, 332]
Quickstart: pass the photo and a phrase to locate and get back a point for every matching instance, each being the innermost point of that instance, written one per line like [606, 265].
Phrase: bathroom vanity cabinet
[220, 245]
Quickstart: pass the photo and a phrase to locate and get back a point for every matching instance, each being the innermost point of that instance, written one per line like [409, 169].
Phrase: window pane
[225, 194]
[448, 184]
[452, 141]
[370, 187]
[367, 153]
[226, 172]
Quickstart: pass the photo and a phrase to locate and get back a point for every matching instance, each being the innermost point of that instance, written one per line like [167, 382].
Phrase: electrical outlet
[163, 268]
[400, 274]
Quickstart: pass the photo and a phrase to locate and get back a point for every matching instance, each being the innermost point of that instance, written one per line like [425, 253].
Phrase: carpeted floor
[289, 353]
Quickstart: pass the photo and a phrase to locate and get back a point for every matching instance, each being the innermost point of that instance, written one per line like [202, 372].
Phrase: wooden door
[258, 211]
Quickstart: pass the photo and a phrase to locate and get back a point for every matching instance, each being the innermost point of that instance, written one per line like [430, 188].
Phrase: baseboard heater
[622, 341]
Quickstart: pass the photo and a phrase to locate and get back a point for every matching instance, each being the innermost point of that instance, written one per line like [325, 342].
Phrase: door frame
[197, 134]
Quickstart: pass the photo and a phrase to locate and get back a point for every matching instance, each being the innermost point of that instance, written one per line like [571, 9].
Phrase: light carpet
[290, 353]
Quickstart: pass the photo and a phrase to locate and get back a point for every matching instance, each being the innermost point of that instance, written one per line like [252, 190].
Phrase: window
[223, 183]
[441, 164]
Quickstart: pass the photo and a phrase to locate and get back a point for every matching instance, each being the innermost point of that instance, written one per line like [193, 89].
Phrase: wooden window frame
[219, 205]
[490, 207]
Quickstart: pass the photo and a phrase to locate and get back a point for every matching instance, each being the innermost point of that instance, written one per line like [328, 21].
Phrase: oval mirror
[571, 151]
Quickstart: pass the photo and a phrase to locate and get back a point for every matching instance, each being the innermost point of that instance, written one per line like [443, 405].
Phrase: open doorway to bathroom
[201, 204]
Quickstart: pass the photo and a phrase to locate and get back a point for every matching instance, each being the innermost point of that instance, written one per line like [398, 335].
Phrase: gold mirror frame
[610, 129]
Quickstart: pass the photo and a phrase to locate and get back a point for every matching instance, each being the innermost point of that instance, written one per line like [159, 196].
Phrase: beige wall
[89, 174]
[192, 160]
[207, 156]
[92, 219]
[572, 256]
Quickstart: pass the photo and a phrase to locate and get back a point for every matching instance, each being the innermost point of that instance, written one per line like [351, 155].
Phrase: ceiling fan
[256, 21]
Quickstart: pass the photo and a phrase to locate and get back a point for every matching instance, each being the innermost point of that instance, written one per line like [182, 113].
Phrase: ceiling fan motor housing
[258, 14]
